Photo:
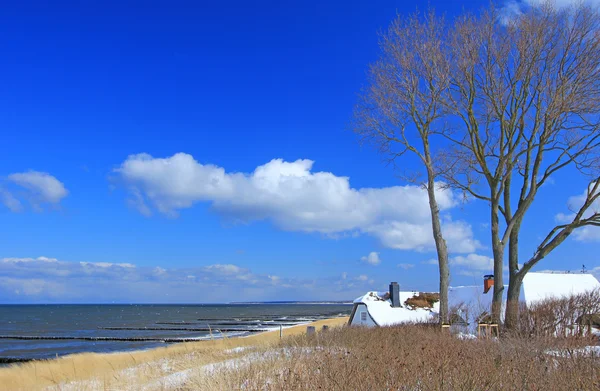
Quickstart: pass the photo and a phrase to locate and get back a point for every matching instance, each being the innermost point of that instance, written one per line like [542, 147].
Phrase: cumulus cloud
[38, 188]
[47, 280]
[474, 261]
[47, 187]
[586, 233]
[8, 200]
[406, 266]
[515, 8]
[561, 3]
[29, 260]
[227, 269]
[372, 258]
[293, 198]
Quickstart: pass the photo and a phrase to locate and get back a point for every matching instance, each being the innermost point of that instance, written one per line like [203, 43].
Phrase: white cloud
[406, 266]
[50, 280]
[226, 269]
[432, 261]
[293, 198]
[44, 185]
[8, 200]
[474, 261]
[403, 235]
[586, 233]
[28, 260]
[36, 187]
[515, 8]
[372, 258]
[106, 264]
[510, 10]
[561, 3]
[159, 271]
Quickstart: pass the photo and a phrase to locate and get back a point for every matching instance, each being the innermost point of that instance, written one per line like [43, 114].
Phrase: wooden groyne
[122, 339]
[264, 318]
[228, 323]
[215, 328]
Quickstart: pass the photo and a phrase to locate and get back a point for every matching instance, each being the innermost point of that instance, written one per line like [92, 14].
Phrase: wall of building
[361, 316]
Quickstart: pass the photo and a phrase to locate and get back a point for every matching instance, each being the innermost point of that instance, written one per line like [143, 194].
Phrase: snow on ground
[466, 336]
[588, 351]
[163, 365]
[170, 382]
[239, 349]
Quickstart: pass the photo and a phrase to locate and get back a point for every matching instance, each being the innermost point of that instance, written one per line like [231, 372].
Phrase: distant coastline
[292, 302]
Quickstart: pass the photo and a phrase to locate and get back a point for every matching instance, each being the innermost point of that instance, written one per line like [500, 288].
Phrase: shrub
[413, 358]
[571, 316]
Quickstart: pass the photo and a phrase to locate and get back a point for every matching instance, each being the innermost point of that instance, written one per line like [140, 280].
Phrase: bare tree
[527, 96]
[402, 108]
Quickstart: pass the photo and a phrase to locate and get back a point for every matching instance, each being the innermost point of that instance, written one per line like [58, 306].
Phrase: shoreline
[56, 372]
[217, 334]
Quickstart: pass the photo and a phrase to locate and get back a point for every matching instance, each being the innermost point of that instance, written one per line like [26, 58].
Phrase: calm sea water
[155, 323]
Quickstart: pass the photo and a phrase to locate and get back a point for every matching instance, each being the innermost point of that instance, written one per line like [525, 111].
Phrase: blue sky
[181, 151]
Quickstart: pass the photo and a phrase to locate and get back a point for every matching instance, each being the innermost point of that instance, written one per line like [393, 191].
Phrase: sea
[35, 332]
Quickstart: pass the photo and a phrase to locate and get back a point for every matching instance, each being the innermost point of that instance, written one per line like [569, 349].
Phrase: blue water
[88, 321]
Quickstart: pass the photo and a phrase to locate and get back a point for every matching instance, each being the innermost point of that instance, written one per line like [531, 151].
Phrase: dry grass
[572, 315]
[423, 300]
[133, 370]
[399, 358]
[409, 358]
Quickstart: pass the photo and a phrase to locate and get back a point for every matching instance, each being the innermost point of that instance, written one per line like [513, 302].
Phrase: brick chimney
[488, 282]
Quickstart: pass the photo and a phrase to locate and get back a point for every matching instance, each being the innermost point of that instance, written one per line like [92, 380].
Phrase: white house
[541, 286]
[468, 302]
[388, 309]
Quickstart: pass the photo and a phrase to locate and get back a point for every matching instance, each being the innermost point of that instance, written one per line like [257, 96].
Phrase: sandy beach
[161, 368]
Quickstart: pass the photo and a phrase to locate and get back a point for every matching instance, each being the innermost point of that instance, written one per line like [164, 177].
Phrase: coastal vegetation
[495, 107]
[411, 357]
[551, 348]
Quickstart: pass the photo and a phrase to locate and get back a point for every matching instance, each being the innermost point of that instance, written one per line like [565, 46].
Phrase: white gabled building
[469, 302]
[388, 309]
[541, 286]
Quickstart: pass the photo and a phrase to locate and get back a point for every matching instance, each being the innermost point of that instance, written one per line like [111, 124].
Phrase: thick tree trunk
[512, 300]
[498, 252]
[515, 278]
[442, 250]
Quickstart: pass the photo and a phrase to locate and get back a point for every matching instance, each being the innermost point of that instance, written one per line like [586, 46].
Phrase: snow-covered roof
[471, 302]
[382, 312]
[540, 286]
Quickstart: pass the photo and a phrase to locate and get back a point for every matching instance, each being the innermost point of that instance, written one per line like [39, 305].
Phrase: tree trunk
[498, 251]
[512, 299]
[440, 245]
[515, 278]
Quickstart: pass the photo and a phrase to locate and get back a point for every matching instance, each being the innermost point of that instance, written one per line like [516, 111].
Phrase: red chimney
[488, 282]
